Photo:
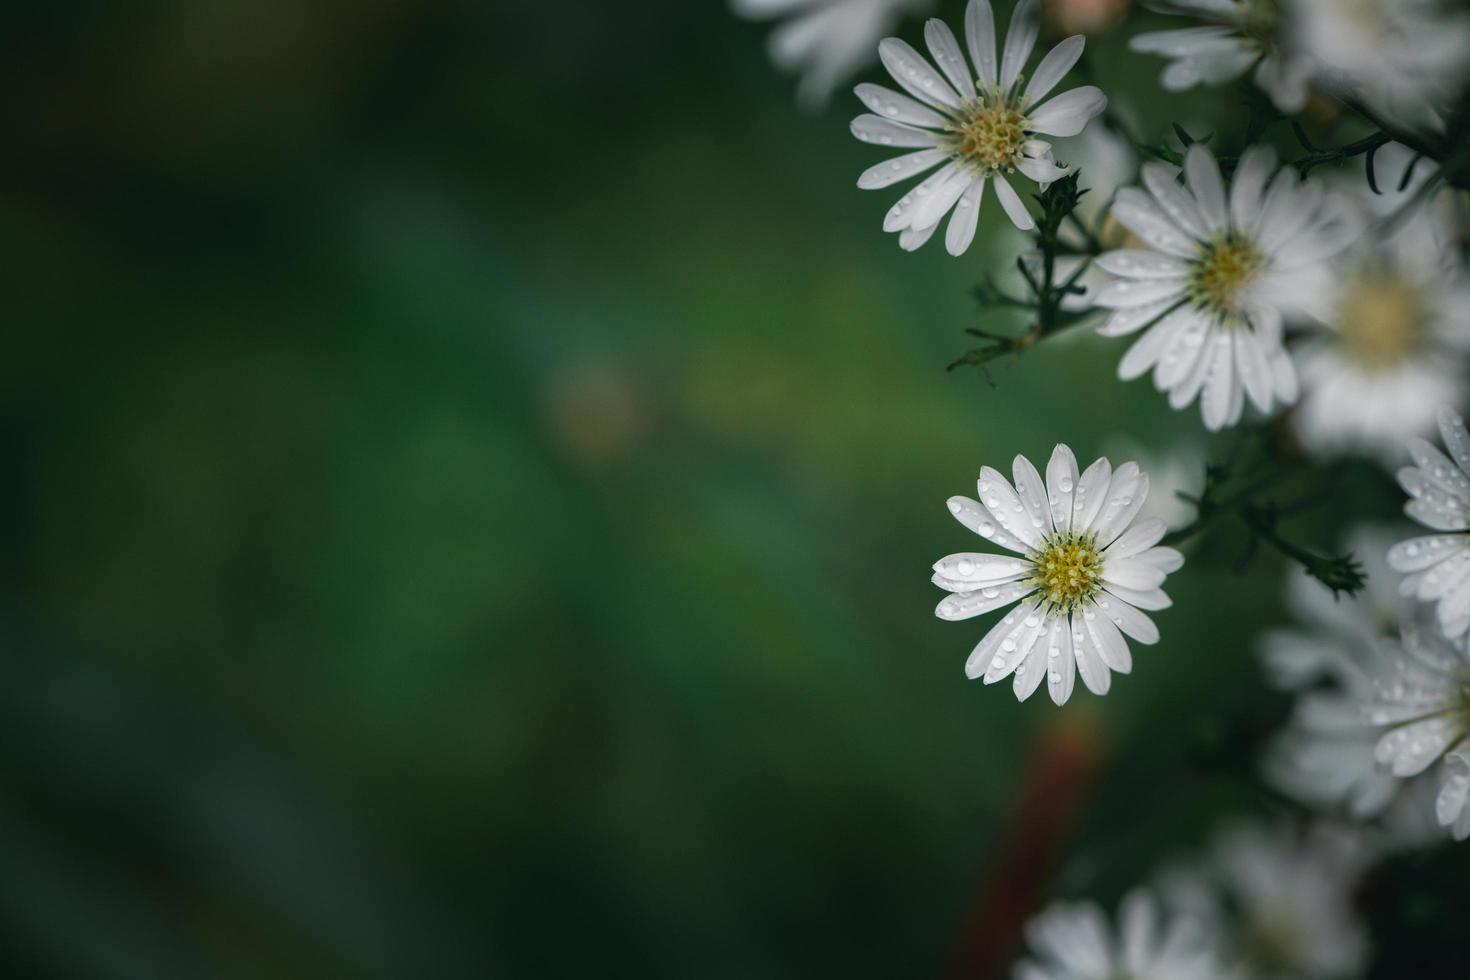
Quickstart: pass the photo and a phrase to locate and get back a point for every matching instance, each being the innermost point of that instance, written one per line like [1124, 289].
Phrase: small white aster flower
[1219, 275]
[1073, 941]
[979, 125]
[1397, 339]
[1421, 706]
[826, 41]
[1239, 35]
[1406, 58]
[1084, 573]
[1437, 566]
[1292, 896]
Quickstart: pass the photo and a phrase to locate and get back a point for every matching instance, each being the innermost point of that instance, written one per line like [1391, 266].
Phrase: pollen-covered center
[1381, 320]
[991, 136]
[1068, 570]
[1222, 271]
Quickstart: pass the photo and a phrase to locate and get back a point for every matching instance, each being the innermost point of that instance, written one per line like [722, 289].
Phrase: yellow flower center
[1382, 321]
[1068, 570]
[1224, 268]
[991, 135]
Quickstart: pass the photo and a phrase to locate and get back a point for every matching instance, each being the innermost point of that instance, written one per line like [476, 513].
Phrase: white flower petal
[1439, 470]
[949, 58]
[1417, 554]
[978, 518]
[1175, 201]
[1130, 573]
[1456, 439]
[900, 168]
[981, 568]
[1126, 293]
[1253, 369]
[1108, 641]
[934, 203]
[1149, 599]
[1175, 43]
[1147, 349]
[967, 605]
[982, 659]
[1053, 68]
[1011, 204]
[1247, 185]
[1061, 668]
[1067, 114]
[1061, 482]
[1203, 175]
[1409, 749]
[1126, 497]
[1215, 403]
[1090, 662]
[1140, 537]
[1020, 39]
[1133, 263]
[912, 238]
[885, 132]
[1032, 491]
[900, 108]
[1005, 504]
[966, 217]
[1135, 624]
[1092, 492]
[1137, 212]
[1126, 321]
[912, 71]
[1165, 559]
[980, 37]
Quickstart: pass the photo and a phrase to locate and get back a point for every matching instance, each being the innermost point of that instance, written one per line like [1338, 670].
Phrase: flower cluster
[1316, 297]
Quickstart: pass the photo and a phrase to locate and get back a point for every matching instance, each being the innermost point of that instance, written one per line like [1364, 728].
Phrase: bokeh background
[471, 475]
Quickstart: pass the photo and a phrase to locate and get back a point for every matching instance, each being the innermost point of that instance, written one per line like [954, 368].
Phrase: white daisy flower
[1405, 58]
[1082, 576]
[826, 41]
[1073, 941]
[1398, 319]
[1219, 274]
[979, 126]
[1292, 900]
[1238, 36]
[1437, 566]
[1421, 708]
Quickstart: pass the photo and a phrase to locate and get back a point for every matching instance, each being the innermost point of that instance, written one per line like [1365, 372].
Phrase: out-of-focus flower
[1420, 707]
[1398, 318]
[826, 41]
[1324, 759]
[1292, 900]
[1238, 35]
[981, 126]
[1405, 58]
[1437, 566]
[1338, 635]
[1085, 16]
[1073, 941]
[1084, 573]
[1217, 278]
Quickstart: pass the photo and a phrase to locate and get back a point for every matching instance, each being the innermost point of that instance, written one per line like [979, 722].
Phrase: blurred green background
[472, 472]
